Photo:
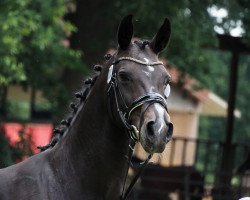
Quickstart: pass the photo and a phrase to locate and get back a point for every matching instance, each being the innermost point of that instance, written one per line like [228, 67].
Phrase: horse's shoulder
[26, 176]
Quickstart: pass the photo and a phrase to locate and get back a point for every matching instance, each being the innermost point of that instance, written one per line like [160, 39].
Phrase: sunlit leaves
[12, 72]
[30, 38]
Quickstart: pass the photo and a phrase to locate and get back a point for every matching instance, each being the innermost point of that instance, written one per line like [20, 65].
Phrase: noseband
[126, 113]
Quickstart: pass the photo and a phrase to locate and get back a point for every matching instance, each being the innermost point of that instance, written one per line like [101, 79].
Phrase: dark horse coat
[86, 158]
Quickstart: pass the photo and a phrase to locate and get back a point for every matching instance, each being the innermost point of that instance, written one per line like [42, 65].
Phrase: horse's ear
[125, 32]
[160, 40]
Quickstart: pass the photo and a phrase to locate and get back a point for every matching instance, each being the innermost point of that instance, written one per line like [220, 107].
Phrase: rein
[125, 115]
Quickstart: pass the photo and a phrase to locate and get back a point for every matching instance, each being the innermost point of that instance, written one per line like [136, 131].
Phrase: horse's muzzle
[155, 135]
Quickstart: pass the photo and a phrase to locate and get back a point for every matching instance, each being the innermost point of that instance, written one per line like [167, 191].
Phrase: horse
[123, 103]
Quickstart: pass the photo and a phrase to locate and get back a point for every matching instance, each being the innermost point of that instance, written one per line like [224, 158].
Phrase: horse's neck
[94, 148]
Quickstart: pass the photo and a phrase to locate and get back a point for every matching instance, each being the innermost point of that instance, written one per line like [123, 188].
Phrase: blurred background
[48, 47]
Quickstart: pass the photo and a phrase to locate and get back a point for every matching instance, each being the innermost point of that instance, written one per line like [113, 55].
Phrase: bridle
[126, 112]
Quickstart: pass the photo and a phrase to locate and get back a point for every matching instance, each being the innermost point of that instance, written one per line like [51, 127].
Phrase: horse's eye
[123, 77]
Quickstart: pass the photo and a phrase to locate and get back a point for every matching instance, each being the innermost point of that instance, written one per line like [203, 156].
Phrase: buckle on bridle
[134, 133]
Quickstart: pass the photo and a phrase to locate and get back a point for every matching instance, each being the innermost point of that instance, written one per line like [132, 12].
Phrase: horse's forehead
[143, 54]
[139, 53]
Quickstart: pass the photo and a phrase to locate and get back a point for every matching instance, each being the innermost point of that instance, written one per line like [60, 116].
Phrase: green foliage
[18, 110]
[31, 39]
[33, 35]
[215, 127]
[5, 151]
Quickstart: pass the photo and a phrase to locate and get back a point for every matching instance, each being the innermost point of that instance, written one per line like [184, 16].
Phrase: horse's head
[138, 85]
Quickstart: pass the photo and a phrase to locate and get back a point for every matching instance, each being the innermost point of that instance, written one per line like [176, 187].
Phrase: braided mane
[60, 130]
[82, 95]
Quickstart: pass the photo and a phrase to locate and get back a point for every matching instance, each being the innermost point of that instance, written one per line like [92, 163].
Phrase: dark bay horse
[86, 158]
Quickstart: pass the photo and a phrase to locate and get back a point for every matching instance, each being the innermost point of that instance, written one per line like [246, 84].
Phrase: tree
[34, 50]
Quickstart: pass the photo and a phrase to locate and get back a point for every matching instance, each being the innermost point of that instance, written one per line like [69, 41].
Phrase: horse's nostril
[150, 128]
[170, 130]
